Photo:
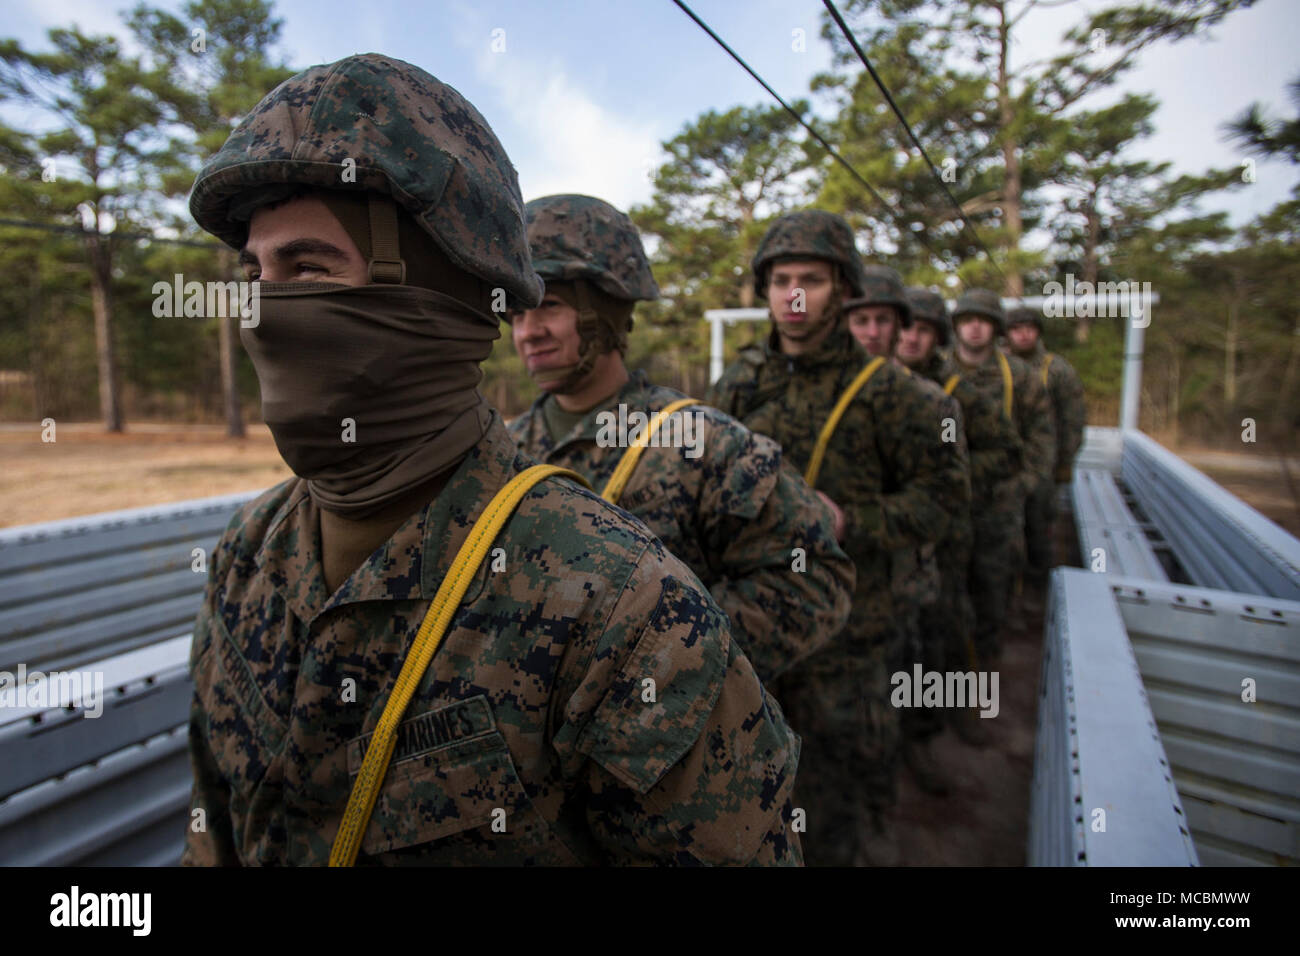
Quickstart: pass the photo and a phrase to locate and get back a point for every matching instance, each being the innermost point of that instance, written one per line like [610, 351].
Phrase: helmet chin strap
[386, 264]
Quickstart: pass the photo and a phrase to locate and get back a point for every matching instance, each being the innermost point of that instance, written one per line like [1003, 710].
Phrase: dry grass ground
[85, 470]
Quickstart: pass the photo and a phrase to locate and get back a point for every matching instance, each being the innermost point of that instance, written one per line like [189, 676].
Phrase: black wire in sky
[897, 217]
[848, 35]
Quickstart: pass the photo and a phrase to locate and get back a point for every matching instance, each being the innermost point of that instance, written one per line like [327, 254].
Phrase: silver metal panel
[52, 541]
[111, 812]
[93, 601]
[105, 636]
[1056, 822]
[82, 589]
[1103, 520]
[1102, 448]
[1219, 539]
[58, 741]
[1239, 760]
[1101, 718]
[111, 595]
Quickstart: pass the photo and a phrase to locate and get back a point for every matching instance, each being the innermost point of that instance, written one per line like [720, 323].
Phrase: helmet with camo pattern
[810, 234]
[582, 237]
[374, 123]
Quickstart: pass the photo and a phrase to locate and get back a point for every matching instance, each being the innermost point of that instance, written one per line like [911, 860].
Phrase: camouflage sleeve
[209, 840]
[727, 392]
[722, 395]
[991, 438]
[518, 428]
[1039, 436]
[778, 572]
[208, 837]
[930, 475]
[1072, 414]
[684, 756]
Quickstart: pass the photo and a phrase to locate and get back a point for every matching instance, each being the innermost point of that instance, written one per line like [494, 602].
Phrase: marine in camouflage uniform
[877, 319]
[587, 704]
[1069, 415]
[897, 485]
[995, 450]
[999, 520]
[747, 524]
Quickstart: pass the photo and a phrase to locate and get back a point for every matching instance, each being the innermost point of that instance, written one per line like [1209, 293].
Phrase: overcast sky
[585, 90]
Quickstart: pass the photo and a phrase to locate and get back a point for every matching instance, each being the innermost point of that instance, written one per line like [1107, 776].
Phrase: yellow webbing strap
[1008, 389]
[950, 385]
[824, 439]
[1047, 365]
[627, 464]
[361, 803]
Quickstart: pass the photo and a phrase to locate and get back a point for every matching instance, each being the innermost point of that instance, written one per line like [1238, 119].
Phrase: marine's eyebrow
[296, 247]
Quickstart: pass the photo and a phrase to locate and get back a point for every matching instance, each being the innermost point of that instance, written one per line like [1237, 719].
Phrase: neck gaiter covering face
[369, 391]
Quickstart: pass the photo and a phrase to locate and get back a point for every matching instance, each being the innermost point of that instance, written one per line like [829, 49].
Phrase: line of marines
[668, 655]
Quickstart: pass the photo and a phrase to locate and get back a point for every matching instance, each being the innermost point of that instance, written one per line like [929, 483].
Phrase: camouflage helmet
[581, 237]
[984, 303]
[378, 124]
[929, 307]
[1021, 315]
[883, 286]
[810, 234]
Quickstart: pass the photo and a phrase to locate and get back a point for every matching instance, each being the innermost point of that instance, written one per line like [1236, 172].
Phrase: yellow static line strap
[361, 802]
[1008, 389]
[1046, 366]
[833, 420]
[951, 385]
[627, 464]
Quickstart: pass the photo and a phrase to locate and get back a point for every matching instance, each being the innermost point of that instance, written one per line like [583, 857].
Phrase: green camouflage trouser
[1040, 515]
[838, 702]
[996, 560]
[928, 625]
[947, 634]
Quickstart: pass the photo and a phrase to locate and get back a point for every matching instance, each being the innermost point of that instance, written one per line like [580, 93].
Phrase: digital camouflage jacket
[1031, 414]
[916, 570]
[1069, 412]
[898, 483]
[587, 705]
[728, 506]
[991, 439]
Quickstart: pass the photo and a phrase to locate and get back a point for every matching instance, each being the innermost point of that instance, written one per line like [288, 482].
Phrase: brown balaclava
[371, 391]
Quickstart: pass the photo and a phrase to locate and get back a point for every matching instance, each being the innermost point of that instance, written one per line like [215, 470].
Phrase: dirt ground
[984, 819]
[85, 470]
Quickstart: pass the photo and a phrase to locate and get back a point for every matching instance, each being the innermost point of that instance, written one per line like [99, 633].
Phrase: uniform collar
[836, 349]
[635, 394]
[962, 366]
[412, 563]
[934, 366]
